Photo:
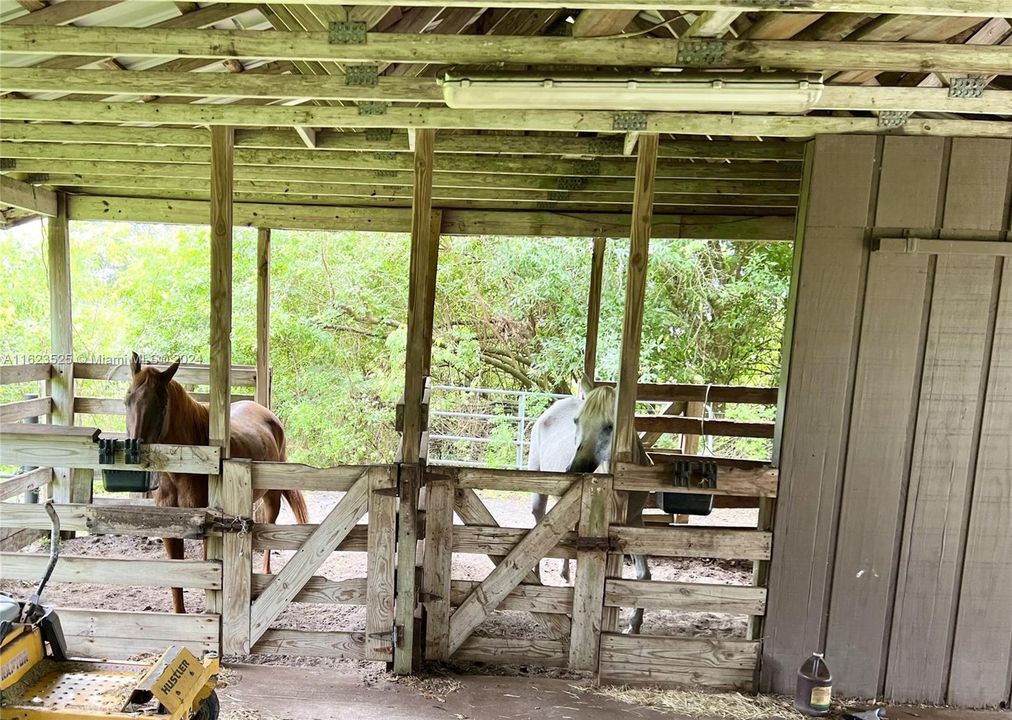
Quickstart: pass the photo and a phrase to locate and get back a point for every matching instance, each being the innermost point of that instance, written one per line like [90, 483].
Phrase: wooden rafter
[444, 118]
[27, 197]
[477, 50]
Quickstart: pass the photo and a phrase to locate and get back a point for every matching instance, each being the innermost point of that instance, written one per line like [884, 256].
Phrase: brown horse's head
[594, 426]
[147, 401]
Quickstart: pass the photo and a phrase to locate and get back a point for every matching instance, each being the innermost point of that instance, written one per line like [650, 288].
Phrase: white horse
[575, 435]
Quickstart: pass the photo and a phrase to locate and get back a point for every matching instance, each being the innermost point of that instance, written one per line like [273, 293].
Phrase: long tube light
[725, 93]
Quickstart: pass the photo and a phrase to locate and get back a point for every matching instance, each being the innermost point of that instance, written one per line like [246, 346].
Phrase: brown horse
[159, 410]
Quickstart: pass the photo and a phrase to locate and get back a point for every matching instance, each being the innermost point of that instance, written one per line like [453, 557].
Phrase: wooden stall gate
[253, 601]
[579, 624]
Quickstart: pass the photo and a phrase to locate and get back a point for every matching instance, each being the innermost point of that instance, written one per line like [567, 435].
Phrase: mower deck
[78, 689]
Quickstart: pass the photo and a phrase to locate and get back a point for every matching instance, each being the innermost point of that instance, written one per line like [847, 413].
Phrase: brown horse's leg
[267, 512]
[174, 551]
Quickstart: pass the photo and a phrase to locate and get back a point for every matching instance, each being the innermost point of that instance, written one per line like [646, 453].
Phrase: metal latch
[232, 524]
[683, 470]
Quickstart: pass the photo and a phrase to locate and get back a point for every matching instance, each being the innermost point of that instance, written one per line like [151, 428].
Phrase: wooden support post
[594, 308]
[625, 445]
[588, 591]
[221, 324]
[237, 559]
[380, 572]
[263, 354]
[636, 282]
[414, 384]
[613, 565]
[430, 290]
[69, 485]
[437, 564]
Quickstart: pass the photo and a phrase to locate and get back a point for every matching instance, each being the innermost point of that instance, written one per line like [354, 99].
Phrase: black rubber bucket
[686, 503]
[129, 480]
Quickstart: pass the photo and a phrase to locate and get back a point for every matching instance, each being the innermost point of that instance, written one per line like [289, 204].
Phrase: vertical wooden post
[430, 290]
[221, 324]
[263, 354]
[588, 590]
[625, 445]
[380, 575]
[69, 485]
[594, 308]
[437, 563]
[414, 382]
[635, 292]
[237, 558]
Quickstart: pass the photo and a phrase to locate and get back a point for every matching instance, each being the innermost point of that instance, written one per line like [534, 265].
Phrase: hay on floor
[695, 703]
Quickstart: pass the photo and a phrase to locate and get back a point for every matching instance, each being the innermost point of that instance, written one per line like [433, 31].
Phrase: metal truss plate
[629, 121]
[379, 134]
[698, 53]
[602, 145]
[372, 107]
[893, 118]
[384, 155]
[588, 167]
[362, 75]
[8, 163]
[571, 183]
[348, 33]
[966, 87]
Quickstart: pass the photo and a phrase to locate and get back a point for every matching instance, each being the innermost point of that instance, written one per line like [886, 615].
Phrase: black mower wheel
[208, 709]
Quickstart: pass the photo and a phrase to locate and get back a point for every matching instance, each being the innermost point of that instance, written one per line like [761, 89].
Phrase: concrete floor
[263, 692]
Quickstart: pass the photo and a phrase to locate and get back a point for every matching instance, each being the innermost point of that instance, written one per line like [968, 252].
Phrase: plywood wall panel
[941, 465]
[980, 667]
[911, 182]
[828, 300]
[978, 196]
[885, 390]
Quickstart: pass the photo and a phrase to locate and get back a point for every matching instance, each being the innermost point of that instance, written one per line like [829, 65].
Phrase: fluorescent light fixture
[702, 93]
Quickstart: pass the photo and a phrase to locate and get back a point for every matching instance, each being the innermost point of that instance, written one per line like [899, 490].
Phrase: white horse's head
[594, 426]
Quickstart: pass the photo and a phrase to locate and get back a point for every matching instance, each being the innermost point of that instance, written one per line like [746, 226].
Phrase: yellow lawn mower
[39, 682]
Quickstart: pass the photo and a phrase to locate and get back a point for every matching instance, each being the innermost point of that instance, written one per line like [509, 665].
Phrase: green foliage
[510, 313]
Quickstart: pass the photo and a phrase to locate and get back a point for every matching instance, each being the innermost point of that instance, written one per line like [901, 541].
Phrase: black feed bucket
[129, 480]
[686, 503]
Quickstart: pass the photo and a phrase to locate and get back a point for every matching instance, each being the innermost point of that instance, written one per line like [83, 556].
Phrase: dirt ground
[510, 510]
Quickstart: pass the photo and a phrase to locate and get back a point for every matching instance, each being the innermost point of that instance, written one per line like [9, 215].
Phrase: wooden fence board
[25, 372]
[23, 409]
[693, 541]
[939, 475]
[690, 661]
[513, 651]
[674, 392]
[685, 597]
[758, 482]
[237, 558]
[268, 536]
[309, 643]
[381, 558]
[188, 373]
[114, 571]
[296, 476]
[113, 520]
[116, 634]
[319, 589]
[509, 480]
[23, 482]
[979, 676]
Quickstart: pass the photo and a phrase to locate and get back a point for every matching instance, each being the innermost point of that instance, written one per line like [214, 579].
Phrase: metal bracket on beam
[348, 33]
[588, 167]
[700, 52]
[36, 178]
[893, 118]
[373, 107]
[558, 195]
[385, 173]
[362, 75]
[384, 154]
[966, 87]
[629, 121]
[378, 134]
[602, 145]
[8, 163]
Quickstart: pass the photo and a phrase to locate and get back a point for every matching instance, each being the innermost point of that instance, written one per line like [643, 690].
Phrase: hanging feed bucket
[129, 480]
[686, 503]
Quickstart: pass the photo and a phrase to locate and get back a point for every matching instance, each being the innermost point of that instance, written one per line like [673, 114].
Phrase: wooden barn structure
[884, 531]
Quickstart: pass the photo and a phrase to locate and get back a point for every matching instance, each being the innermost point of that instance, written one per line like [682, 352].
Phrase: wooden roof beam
[449, 119]
[595, 23]
[977, 8]
[479, 50]
[712, 24]
[337, 141]
[269, 86]
[27, 197]
[62, 13]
